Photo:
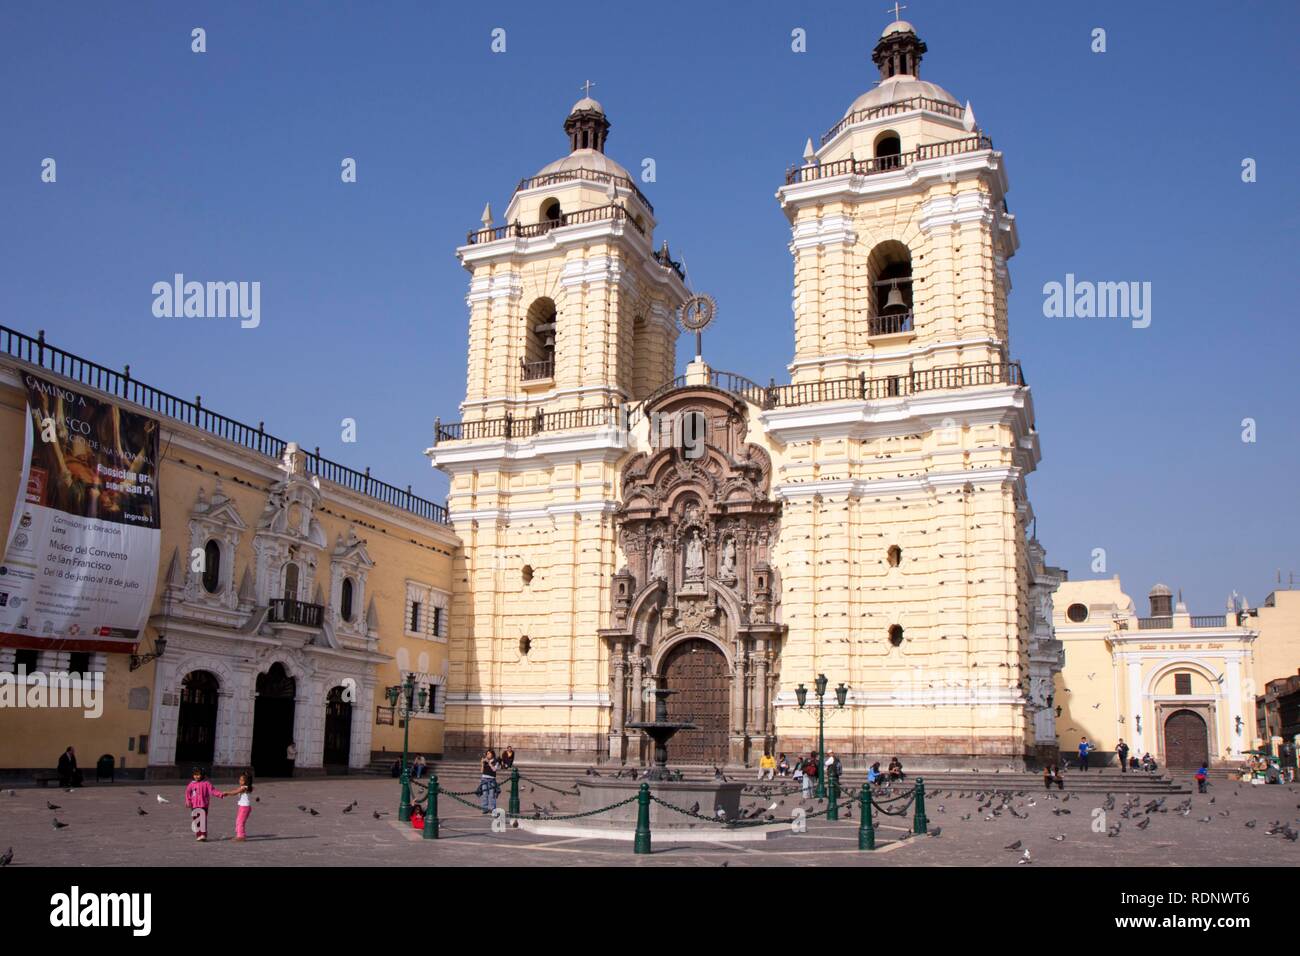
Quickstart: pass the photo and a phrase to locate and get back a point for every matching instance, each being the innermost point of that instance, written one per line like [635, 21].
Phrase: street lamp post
[841, 695]
[406, 694]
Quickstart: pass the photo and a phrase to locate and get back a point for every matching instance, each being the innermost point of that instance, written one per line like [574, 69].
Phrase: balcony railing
[889, 324]
[38, 352]
[883, 164]
[1209, 620]
[525, 426]
[585, 175]
[289, 611]
[670, 263]
[532, 371]
[771, 396]
[893, 109]
[1155, 623]
[581, 217]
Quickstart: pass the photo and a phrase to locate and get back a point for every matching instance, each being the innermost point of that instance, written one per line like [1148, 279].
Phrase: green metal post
[431, 815]
[404, 806]
[833, 792]
[821, 748]
[866, 828]
[514, 791]
[642, 841]
[919, 823]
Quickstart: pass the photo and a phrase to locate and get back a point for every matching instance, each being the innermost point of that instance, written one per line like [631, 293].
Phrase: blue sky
[1124, 166]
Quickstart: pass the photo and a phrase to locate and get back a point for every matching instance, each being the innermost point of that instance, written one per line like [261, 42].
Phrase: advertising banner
[81, 560]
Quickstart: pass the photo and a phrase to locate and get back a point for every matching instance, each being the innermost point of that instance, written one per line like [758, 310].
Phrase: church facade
[624, 529]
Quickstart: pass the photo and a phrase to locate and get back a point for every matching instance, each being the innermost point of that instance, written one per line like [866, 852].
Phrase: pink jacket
[200, 793]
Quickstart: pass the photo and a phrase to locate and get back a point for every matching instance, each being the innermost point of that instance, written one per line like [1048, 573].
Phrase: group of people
[198, 798]
[1127, 759]
[805, 770]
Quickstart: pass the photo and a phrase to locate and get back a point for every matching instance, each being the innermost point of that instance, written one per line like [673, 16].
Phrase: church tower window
[539, 349]
[889, 149]
[890, 266]
[211, 567]
[345, 602]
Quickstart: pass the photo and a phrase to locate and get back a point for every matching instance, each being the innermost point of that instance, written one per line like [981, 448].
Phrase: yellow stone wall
[403, 546]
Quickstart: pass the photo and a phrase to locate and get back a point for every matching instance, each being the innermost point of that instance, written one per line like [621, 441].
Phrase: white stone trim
[922, 484]
[922, 173]
[823, 231]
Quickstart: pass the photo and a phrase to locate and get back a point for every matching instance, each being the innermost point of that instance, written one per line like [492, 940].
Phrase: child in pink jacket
[198, 795]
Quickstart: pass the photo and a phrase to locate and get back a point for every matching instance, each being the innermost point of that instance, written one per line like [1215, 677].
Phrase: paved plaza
[105, 828]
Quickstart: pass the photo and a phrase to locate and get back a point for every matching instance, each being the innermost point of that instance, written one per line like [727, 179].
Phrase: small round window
[1077, 613]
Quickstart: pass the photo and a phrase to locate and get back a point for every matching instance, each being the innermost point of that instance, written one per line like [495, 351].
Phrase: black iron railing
[36, 351]
[1209, 620]
[584, 175]
[534, 370]
[895, 386]
[893, 109]
[525, 426]
[889, 324]
[882, 164]
[1155, 623]
[289, 611]
[581, 217]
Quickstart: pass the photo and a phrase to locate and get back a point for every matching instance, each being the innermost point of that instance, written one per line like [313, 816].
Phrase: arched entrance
[696, 669]
[196, 728]
[1187, 741]
[273, 722]
[338, 728]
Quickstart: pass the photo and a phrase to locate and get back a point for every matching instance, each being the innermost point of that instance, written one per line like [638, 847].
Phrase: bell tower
[571, 317]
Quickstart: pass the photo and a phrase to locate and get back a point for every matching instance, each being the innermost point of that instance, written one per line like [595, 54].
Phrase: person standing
[290, 757]
[1202, 778]
[1085, 748]
[487, 781]
[69, 775]
[198, 797]
[1121, 751]
[244, 791]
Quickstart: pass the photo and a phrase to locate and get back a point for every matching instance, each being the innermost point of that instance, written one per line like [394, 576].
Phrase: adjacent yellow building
[292, 592]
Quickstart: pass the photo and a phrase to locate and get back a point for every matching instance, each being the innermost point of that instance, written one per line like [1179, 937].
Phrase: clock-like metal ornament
[695, 314]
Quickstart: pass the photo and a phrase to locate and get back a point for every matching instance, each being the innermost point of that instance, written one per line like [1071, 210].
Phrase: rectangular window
[437, 621]
[433, 698]
[414, 623]
[1182, 683]
[26, 658]
[79, 663]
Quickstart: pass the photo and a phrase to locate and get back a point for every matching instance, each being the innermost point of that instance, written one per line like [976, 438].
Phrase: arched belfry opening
[695, 608]
[890, 269]
[888, 150]
[539, 340]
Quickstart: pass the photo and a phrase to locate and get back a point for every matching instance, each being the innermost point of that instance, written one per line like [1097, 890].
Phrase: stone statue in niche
[727, 562]
[658, 565]
[695, 557]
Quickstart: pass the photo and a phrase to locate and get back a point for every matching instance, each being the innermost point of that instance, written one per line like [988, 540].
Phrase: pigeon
[936, 831]
[695, 807]
[1204, 820]
[302, 807]
[1290, 833]
[1059, 838]
[1250, 824]
[1013, 846]
[1146, 822]
[141, 812]
[720, 813]
[142, 793]
[348, 808]
[162, 799]
[8, 857]
[314, 812]
[1059, 810]
[58, 824]
[377, 814]
[11, 793]
[1114, 831]
[52, 806]
[966, 817]
[1026, 858]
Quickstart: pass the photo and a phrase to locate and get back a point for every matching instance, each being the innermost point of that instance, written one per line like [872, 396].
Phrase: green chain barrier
[832, 794]
[431, 814]
[919, 823]
[866, 828]
[641, 844]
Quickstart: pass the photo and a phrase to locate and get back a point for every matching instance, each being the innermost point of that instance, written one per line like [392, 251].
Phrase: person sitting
[507, 758]
[875, 776]
[1148, 763]
[783, 767]
[766, 766]
[896, 769]
[1047, 777]
[419, 768]
[396, 769]
[69, 775]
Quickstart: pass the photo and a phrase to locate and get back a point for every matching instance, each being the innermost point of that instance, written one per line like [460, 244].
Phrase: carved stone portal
[694, 609]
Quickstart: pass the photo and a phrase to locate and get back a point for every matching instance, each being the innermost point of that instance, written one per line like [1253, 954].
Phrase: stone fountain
[668, 785]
